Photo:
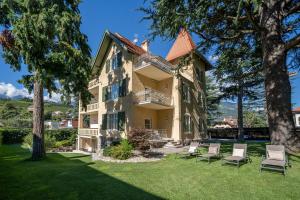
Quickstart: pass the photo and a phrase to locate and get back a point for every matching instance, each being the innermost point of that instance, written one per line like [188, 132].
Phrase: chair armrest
[287, 161]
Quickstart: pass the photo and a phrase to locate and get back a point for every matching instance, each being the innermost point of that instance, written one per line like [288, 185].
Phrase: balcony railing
[94, 83]
[158, 133]
[153, 96]
[90, 107]
[88, 131]
[156, 61]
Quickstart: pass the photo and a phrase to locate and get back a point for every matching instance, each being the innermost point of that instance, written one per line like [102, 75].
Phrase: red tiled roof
[296, 109]
[130, 45]
[183, 45]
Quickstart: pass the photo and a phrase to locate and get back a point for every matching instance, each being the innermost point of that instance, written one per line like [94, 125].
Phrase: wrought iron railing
[152, 96]
[158, 134]
[156, 61]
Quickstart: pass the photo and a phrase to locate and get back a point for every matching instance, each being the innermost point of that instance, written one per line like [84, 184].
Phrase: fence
[249, 133]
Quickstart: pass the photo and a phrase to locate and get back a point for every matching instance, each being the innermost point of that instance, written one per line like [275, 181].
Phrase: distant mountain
[227, 109]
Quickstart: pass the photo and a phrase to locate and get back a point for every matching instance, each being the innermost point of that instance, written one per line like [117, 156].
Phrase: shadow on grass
[59, 177]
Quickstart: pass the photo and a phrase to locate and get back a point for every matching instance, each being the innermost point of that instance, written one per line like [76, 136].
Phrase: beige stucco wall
[140, 114]
[170, 119]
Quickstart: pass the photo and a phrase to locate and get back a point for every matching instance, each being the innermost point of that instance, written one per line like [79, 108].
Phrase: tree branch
[292, 10]
[292, 43]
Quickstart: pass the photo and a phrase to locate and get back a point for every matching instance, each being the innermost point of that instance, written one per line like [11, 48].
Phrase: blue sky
[116, 16]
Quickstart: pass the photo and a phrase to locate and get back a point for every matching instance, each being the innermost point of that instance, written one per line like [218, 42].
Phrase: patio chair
[192, 151]
[275, 159]
[213, 152]
[239, 155]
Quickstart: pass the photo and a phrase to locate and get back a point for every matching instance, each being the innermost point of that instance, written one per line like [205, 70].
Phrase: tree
[254, 119]
[8, 111]
[239, 78]
[212, 100]
[45, 37]
[270, 25]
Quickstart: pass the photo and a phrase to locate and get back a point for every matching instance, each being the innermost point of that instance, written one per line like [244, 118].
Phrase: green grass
[75, 176]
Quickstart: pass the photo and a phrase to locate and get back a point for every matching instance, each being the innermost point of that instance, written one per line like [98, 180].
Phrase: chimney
[145, 45]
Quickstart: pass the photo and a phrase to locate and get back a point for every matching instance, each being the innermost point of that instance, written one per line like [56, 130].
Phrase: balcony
[154, 67]
[88, 132]
[153, 99]
[93, 83]
[90, 108]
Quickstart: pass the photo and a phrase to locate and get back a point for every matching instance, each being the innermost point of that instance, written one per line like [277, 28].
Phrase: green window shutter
[104, 94]
[119, 59]
[122, 88]
[121, 121]
[104, 122]
[183, 91]
[107, 65]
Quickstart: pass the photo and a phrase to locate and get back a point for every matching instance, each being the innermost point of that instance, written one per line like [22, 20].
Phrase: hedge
[13, 135]
[16, 136]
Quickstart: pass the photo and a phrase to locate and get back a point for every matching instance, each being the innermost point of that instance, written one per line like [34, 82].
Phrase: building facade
[134, 89]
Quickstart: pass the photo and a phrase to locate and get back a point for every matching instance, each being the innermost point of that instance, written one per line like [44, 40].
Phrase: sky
[117, 16]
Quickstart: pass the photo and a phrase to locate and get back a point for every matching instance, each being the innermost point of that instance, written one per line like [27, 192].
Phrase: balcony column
[176, 126]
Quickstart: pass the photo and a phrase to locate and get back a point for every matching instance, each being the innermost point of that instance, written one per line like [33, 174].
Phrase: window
[116, 60]
[114, 63]
[187, 123]
[114, 91]
[148, 124]
[200, 99]
[186, 93]
[113, 121]
[200, 125]
[298, 121]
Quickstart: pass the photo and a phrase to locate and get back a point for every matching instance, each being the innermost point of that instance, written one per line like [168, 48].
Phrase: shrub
[63, 143]
[63, 134]
[49, 141]
[16, 135]
[139, 138]
[122, 151]
[107, 151]
[13, 136]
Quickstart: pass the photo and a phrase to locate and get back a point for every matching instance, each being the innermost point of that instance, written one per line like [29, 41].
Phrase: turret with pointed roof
[184, 45]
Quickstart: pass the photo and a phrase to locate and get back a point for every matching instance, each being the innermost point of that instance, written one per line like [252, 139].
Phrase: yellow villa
[134, 89]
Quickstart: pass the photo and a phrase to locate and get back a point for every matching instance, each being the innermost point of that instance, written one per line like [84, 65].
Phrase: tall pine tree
[44, 36]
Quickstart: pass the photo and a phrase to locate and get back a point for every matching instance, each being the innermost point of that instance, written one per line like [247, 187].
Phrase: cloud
[213, 59]
[55, 97]
[8, 90]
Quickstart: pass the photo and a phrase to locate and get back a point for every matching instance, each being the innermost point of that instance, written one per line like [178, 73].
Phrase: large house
[134, 89]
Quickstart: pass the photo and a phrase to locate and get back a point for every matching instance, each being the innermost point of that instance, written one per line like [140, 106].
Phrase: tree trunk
[38, 148]
[277, 83]
[240, 113]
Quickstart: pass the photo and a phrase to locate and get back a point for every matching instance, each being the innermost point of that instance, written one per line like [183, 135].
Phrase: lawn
[76, 176]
